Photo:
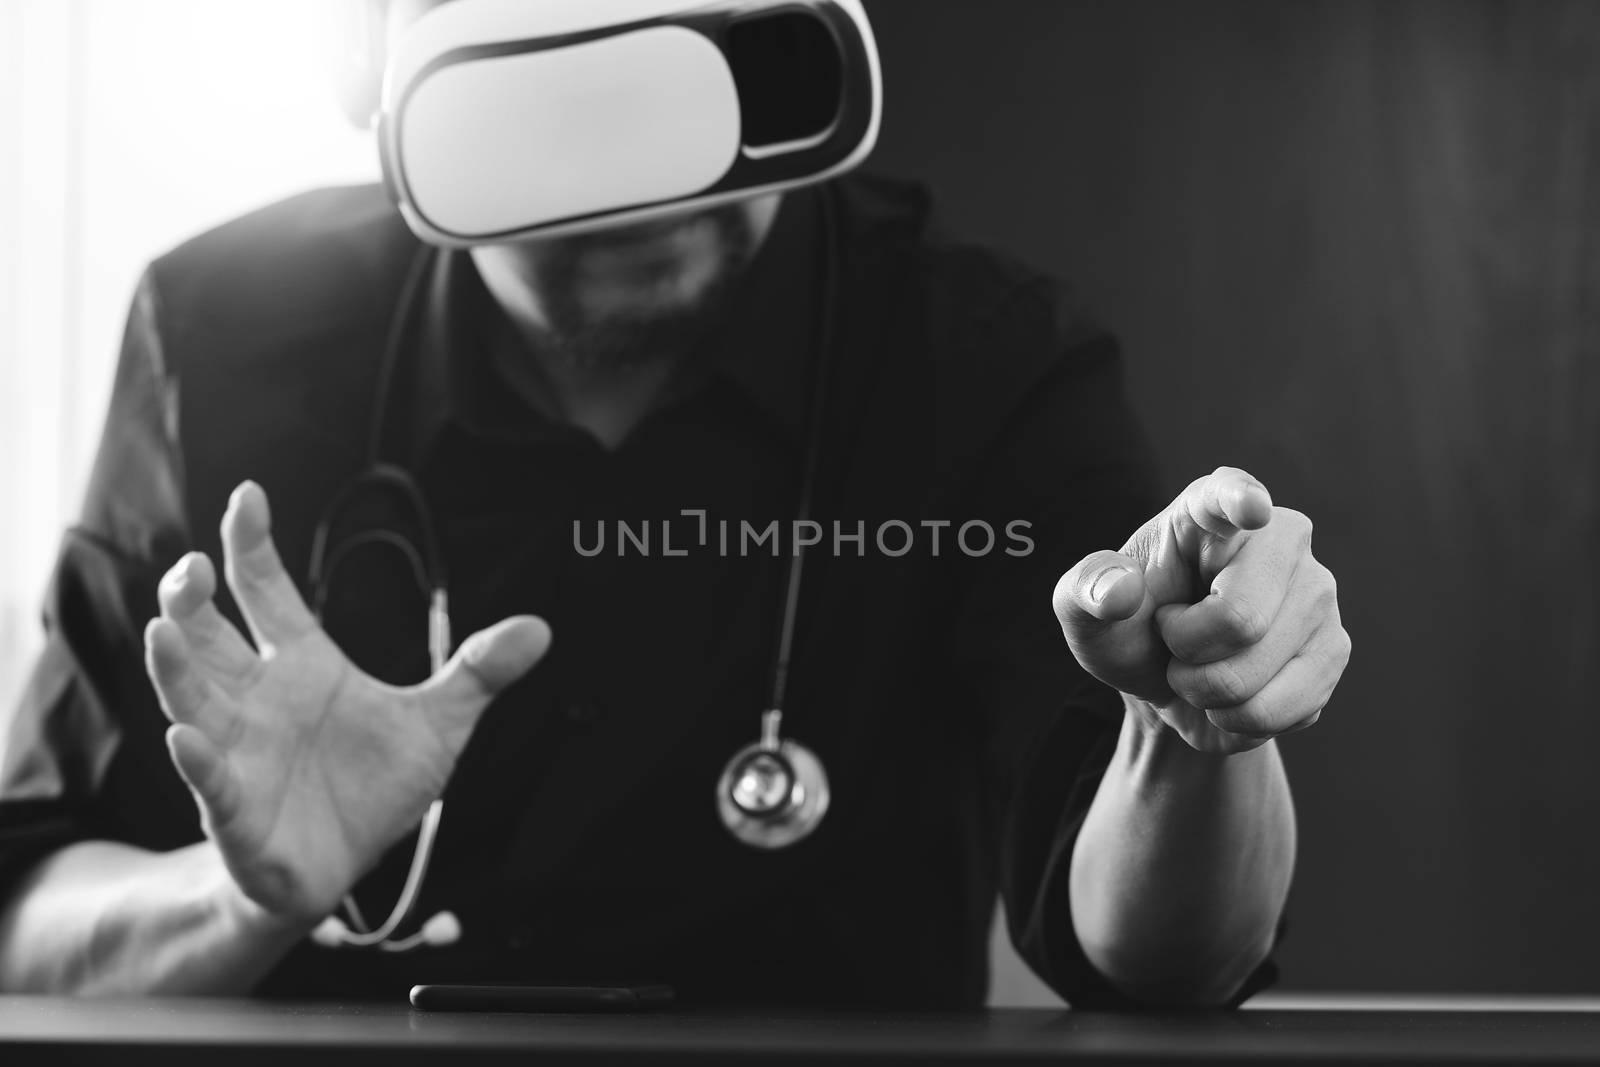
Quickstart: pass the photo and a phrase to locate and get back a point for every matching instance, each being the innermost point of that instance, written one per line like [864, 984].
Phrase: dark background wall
[1353, 248]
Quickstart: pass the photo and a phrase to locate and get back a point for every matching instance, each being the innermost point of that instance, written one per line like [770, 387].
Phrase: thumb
[486, 663]
[1105, 588]
[1101, 605]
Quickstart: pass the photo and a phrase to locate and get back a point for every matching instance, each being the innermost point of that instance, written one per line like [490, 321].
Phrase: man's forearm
[104, 918]
[1183, 864]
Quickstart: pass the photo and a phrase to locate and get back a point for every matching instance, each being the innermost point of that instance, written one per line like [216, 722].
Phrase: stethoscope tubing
[787, 824]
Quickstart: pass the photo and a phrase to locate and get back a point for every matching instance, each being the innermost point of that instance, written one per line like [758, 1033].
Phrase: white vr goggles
[505, 119]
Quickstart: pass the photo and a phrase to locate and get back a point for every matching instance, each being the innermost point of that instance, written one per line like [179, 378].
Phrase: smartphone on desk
[534, 998]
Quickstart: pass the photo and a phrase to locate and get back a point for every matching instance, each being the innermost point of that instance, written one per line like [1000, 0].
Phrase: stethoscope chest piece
[772, 793]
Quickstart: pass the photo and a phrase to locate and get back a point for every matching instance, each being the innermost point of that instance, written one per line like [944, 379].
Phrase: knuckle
[1342, 648]
[1181, 680]
[1246, 720]
[1213, 685]
[1241, 625]
[1221, 685]
[1304, 724]
[1185, 651]
[247, 577]
[1324, 592]
[1298, 523]
[1229, 687]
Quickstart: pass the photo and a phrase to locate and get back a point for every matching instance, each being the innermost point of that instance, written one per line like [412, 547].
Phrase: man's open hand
[1215, 613]
[305, 769]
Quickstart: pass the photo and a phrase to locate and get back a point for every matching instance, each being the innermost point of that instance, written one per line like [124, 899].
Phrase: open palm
[304, 768]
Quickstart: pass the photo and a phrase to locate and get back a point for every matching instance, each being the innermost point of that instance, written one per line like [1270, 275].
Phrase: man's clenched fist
[1215, 613]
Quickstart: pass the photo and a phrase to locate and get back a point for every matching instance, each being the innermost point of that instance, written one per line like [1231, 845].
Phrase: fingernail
[178, 576]
[1243, 493]
[1106, 581]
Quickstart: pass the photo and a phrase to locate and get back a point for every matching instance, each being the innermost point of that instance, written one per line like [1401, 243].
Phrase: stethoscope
[772, 793]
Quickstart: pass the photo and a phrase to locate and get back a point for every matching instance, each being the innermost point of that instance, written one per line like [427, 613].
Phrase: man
[1139, 827]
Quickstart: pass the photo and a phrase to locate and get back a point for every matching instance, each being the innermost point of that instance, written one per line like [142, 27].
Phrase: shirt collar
[762, 345]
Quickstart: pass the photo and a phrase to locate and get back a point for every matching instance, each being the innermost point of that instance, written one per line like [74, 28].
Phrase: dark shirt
[580, 839]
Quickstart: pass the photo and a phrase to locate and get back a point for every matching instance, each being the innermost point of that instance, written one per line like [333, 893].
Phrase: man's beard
[617, 339]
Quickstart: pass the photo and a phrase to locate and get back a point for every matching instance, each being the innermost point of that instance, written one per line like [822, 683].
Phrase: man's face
[633, 292]
[615, 294]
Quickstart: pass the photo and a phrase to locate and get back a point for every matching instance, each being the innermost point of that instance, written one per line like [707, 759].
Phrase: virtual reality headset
[508, 119]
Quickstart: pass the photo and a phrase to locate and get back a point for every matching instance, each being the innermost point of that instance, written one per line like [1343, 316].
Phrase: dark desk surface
[237, 1033]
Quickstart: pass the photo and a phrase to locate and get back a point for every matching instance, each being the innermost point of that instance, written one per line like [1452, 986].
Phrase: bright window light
[127, 126]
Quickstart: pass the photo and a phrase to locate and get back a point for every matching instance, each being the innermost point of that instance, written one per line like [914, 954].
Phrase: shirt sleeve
[1073, 462]
[63, 736]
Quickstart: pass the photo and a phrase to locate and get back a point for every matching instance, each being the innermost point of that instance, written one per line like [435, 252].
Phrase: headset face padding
[509, 119]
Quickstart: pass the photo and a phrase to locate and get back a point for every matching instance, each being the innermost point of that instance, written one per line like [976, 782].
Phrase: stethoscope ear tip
[440, 930]
[330, 932]
[443, 929]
